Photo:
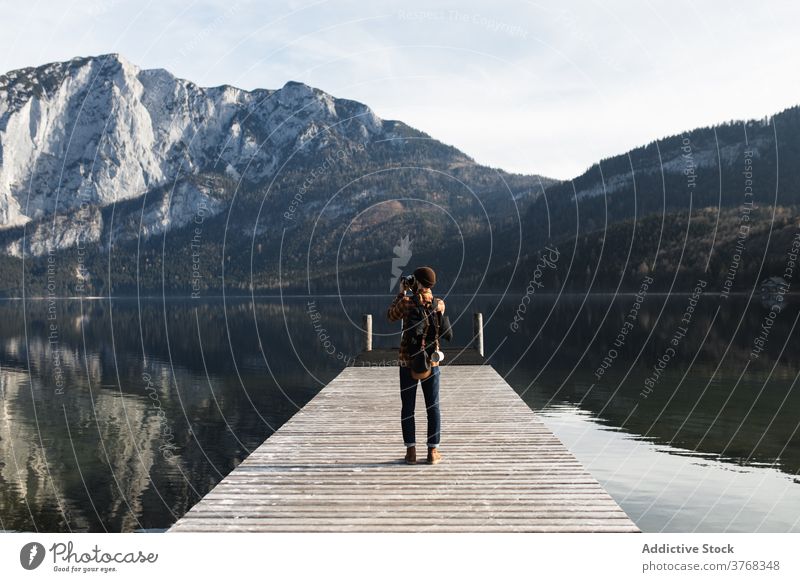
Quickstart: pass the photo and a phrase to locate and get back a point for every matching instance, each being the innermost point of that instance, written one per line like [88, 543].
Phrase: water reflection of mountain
[742, 416]
[56, 448]
[745, 425]
[191, 379]
[95, 453]
[596, 324]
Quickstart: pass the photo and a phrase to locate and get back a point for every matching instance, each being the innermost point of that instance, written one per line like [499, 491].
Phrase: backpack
[425, 326]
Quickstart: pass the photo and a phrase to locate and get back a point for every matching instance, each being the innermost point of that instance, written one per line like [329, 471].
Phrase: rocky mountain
[119, 180]
[100, 130]
[720, 203]
[103, 163]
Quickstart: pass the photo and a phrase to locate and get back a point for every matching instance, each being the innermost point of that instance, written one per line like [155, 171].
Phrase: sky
[530, 87]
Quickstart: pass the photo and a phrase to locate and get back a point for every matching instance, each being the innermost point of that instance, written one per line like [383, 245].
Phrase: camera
[409, 281]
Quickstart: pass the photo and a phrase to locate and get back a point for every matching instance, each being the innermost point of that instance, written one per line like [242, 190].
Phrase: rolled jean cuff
[411, 445]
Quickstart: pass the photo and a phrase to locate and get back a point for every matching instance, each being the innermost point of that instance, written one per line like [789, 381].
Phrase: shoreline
[334, 295]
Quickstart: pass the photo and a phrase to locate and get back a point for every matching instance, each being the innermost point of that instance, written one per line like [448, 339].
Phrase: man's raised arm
[397, 309]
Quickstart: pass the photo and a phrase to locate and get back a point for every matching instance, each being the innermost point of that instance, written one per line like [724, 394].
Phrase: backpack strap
[421, 309]
[432, 316]
[428, 316]
[436, 320]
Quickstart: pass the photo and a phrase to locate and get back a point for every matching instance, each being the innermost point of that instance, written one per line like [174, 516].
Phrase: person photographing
[422, 315]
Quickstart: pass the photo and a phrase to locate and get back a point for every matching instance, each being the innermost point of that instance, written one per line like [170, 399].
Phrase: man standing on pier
[413, 291]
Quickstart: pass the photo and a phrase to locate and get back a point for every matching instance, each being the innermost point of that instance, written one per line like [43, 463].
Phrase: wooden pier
[337, 465]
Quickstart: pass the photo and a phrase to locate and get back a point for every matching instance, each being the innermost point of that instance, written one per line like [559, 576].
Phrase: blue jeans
[408, 398]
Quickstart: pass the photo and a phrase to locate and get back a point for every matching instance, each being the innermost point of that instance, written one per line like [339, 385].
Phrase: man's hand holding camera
[408, 283]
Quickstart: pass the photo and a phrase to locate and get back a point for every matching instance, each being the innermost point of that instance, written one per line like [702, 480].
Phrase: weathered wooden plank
[400, 505]
[417, 522]
[463, 497]
[337, 466]
[343, 526]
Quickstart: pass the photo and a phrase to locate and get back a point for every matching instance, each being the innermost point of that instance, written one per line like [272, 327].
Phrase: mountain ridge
[98, 152]
[312, 193]
[145, 119]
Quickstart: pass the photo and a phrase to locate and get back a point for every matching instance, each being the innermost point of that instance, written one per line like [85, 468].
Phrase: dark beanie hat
[425, 276]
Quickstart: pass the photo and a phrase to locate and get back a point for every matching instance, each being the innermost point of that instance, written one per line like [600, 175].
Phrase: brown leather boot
[411, 455]
[433, 455]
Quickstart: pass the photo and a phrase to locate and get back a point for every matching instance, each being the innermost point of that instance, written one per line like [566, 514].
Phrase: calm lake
[119, 415]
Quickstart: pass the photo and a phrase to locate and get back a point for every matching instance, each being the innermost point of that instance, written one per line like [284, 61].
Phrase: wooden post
[477, 331]
[367, 332]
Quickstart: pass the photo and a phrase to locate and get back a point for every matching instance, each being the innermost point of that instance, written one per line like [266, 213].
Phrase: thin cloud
[530, 87]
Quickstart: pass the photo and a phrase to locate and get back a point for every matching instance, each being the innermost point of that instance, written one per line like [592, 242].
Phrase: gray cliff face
[96, 131]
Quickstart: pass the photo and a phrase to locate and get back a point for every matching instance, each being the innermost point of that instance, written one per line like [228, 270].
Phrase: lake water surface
[119, 415]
